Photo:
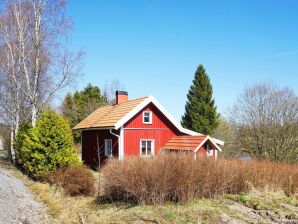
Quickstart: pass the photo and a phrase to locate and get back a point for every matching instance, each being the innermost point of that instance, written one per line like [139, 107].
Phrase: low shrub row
[75, 180]
[180, 178]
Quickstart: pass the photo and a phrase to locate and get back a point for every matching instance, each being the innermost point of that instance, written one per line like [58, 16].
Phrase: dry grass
[66, 209]
[181, 179]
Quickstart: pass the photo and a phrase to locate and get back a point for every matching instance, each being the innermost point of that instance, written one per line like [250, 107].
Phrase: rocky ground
[17, 204]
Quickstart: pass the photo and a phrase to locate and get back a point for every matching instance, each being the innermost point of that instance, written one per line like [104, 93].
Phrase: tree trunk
[33, 115]
[12, 152]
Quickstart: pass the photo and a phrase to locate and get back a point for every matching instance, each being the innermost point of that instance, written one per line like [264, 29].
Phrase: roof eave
[94, 128]
[203, 142]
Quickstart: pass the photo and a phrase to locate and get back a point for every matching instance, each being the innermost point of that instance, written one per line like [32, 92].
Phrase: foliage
[200, 110]
[225, 131]
[78, 106]
[68, 109]
[35, 64]
[265, 119]
[19, 142]
[76, 180]
[180, 178]
[45, 147]
[88, 100]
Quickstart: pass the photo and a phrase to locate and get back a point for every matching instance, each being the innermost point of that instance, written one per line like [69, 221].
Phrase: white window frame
[152, 147]
[108, 142]
[150, 117]
[209, 151]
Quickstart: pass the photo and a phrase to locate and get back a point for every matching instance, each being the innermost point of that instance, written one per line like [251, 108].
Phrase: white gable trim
[132, 113]
[193, 133]
[139, 107]
[151, 99]
[203, 142]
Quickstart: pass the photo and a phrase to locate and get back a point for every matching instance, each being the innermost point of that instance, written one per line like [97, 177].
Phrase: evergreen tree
[68, 109]
[78, 106]
[45, 147]
[87, 101]
[200, 110]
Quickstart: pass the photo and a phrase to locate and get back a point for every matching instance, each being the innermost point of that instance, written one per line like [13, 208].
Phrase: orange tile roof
[108, 116]
[184, 142]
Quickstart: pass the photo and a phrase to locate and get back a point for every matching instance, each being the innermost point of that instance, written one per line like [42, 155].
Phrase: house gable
[161, 130]
[142, 105]
[159, 120]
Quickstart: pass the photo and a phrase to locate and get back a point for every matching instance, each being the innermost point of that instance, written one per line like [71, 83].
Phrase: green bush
[45, 147]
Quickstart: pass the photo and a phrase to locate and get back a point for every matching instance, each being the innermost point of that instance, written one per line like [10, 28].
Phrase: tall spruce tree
[200, 110]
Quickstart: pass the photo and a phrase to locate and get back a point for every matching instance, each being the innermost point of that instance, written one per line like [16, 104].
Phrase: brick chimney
[121, 96]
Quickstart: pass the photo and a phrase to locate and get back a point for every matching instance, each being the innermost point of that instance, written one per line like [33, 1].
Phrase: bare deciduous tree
[226, 132]
[110, 89]
[34, 61]
[266, 121]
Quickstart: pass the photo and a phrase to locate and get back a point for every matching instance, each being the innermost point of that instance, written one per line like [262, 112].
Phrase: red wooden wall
[161, 130]
[89, 146]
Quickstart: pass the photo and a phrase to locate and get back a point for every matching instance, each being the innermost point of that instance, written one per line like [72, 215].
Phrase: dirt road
[17, 204]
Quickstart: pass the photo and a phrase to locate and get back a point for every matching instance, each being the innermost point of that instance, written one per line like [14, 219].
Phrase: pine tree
[87, 101]
[78, 106]
[68, 109]
[200, 110]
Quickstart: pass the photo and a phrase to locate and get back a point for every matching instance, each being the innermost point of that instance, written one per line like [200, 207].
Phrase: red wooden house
[139, 127]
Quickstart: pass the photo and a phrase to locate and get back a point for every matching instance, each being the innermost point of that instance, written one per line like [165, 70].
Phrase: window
[147, 147]
[147, 117]
[108, 147]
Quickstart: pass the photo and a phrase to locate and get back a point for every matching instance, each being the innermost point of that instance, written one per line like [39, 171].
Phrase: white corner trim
[121, 144]
[203, 142]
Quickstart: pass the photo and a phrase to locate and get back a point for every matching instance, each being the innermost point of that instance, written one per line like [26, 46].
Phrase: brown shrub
[76, 180]
[180, 178]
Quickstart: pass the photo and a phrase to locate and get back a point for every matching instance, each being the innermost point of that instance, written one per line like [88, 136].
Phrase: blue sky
[153, 47]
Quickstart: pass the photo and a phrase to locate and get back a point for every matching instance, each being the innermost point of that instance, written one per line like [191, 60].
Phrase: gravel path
[16, 203]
